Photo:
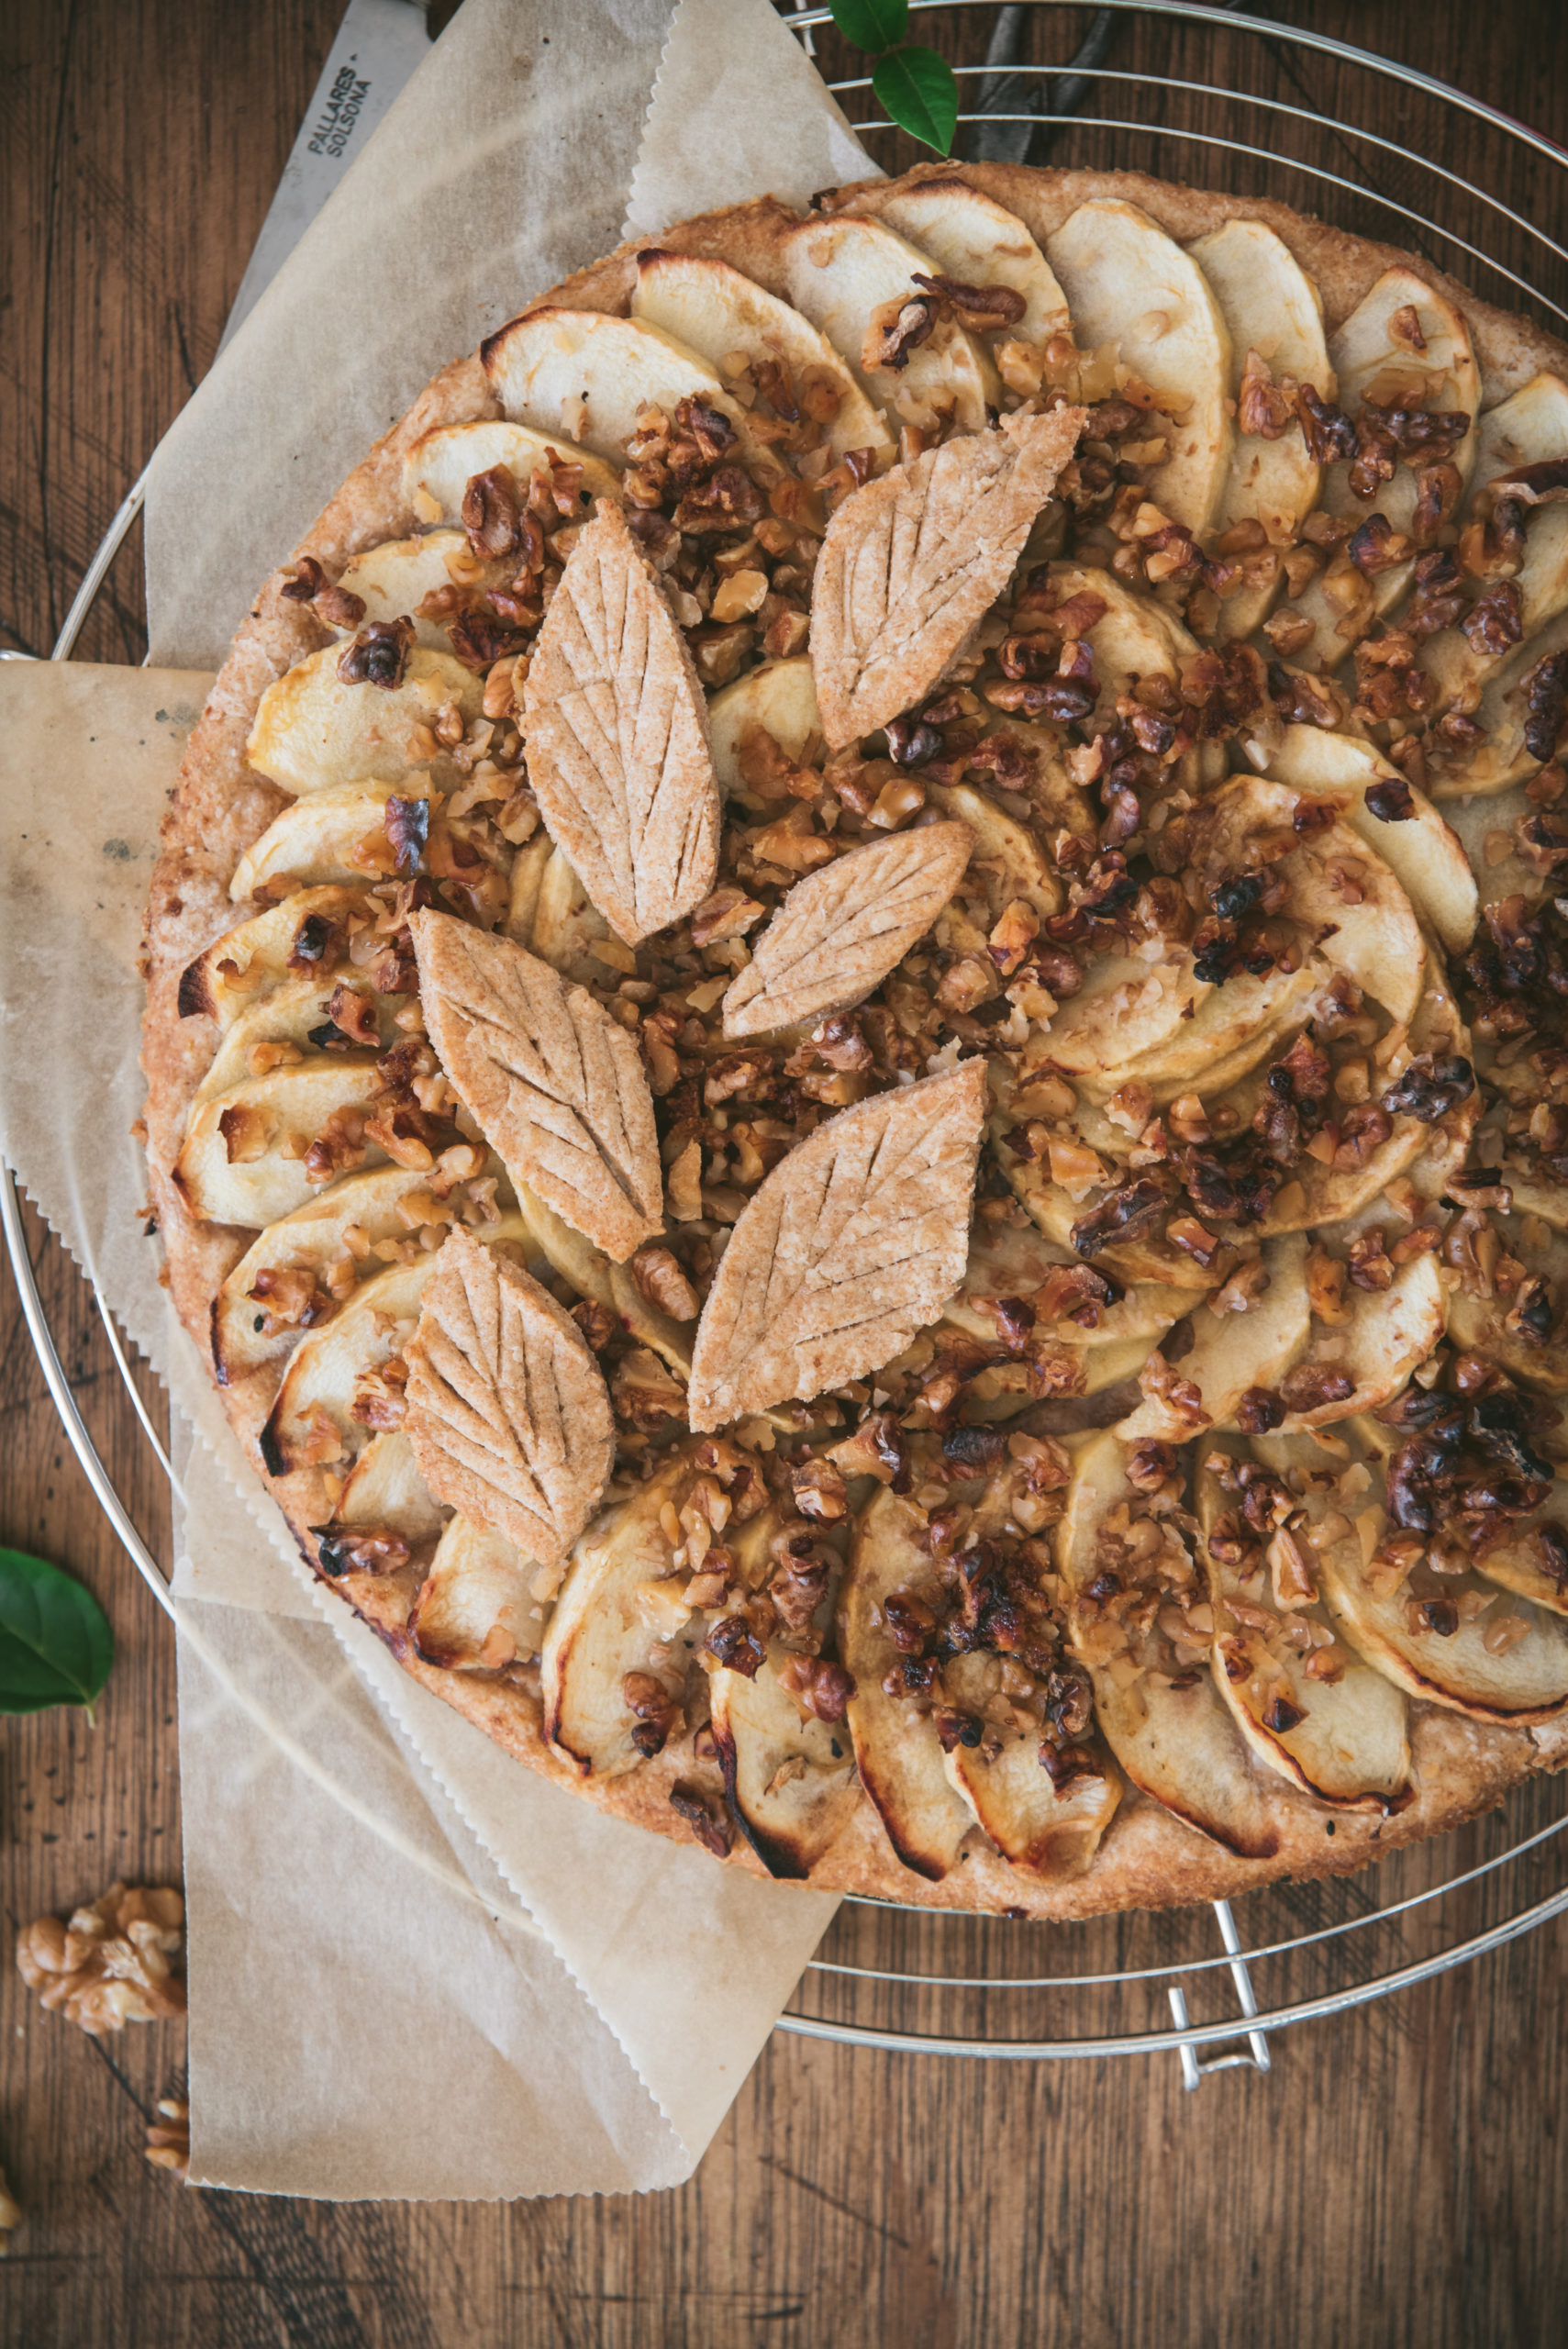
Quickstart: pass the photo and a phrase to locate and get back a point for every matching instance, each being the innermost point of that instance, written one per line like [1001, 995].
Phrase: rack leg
[1257, 2052]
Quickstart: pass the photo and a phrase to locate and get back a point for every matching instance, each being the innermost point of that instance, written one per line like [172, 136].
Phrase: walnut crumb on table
[110, 1964]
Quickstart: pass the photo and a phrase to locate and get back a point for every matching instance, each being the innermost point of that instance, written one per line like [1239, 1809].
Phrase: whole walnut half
[110, 1964]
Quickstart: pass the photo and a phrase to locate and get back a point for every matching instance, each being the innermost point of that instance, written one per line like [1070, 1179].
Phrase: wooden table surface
[1400, 2176]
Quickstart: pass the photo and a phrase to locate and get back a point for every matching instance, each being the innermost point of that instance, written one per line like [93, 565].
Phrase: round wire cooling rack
[914, 1980]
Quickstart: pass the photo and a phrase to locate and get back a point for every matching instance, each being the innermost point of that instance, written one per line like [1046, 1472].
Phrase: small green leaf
[918, 91]
[56, 1646]
[872, 24]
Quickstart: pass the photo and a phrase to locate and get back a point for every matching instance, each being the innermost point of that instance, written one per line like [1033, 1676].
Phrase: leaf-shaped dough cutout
[507, 1412]
[911, 561]
[618, 742]
[558, 1089]
[853, 1243]
[839, 931]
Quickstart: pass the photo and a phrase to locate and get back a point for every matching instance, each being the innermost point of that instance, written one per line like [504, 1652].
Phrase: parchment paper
[373, 1879]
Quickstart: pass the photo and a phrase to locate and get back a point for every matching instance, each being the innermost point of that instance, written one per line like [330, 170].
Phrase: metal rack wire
[909, 1981]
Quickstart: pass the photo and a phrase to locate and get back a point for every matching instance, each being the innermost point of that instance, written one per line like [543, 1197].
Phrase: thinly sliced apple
[1500, 758]
[384, 1487]
[313, 730]
[1370, 359]
[1522, 430]
[1233, 1352]
[618, 1612]
[1479, 1321]
[311, 1240]
[791, 1783]
[527, 874]
[1178, 1743]
[898, 1751]
[715, 311]
[475, 1610]
[276, 1117]
[441, 464]
[1367, 928]
[396, 577]
[375, 1323]
[1006, 855]
[841, 272]
[1127, 283]
[268, 951]
[591, 377]
[334, 835]
[1269, 306]
[1340, 1738]
[1521, 1686]
[1056, 1210]
[291, 1015]
[1163, 1025]
[1008, 1260]
[1053, 1835]
[567, 926]
[976, 241]
[1423, 852]
[1386, 1335]
[779, 696]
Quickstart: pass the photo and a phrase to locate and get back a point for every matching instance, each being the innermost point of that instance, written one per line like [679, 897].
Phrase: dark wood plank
[1398, 2178]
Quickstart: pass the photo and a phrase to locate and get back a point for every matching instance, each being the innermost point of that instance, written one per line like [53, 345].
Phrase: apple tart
[855, 1038]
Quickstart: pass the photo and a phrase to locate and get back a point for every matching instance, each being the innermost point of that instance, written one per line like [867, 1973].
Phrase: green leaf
[872, 24]
[918, 89]
[56, 1646]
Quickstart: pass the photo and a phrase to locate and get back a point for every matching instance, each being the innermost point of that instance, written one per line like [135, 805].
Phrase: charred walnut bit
[982, 308]
[168, 2137]
[378, 655]
[822, 1689]
[1431, 1085]
[359, 1549]
[1494, 621]
[110, 1964]
[703, 1816]
[1391, 801]
[1546, 705]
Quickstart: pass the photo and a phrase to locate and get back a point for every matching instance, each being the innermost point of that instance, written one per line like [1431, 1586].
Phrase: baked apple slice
[1522, 456]
[897, 1750]
[979, 244]
[1127, 283]
[1444, 1637]
[1503, 756]
[1510, 1306]
[297, 1019]
[723, 315]
[303, 1267]
[478, 1608]
[622, 1617]
[1307, 1707]
[1143, 1626]
[1232, 1356]
[343, 834]
[315, 727]
[1273, 315]
[789, 1777]
[396, 576]
[855, 279]
[330, 1389]
[778, 696]
[1397, 821]
[1404, 347]
[441, 464]
[243, 1159]
[384, 1489]
[592, 376]
[309, 930]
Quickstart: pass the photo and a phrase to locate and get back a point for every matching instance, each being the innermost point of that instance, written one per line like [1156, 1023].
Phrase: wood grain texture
[1396, 2180]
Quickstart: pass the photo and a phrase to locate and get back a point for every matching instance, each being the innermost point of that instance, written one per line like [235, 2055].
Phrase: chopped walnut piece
[662, 1280]
[109, 1966]
[378, 655]
[168, 2137]
[703, 1816]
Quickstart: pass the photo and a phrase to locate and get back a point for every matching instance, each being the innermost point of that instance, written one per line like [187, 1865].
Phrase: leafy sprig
[56, 1646]
[914, 86]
